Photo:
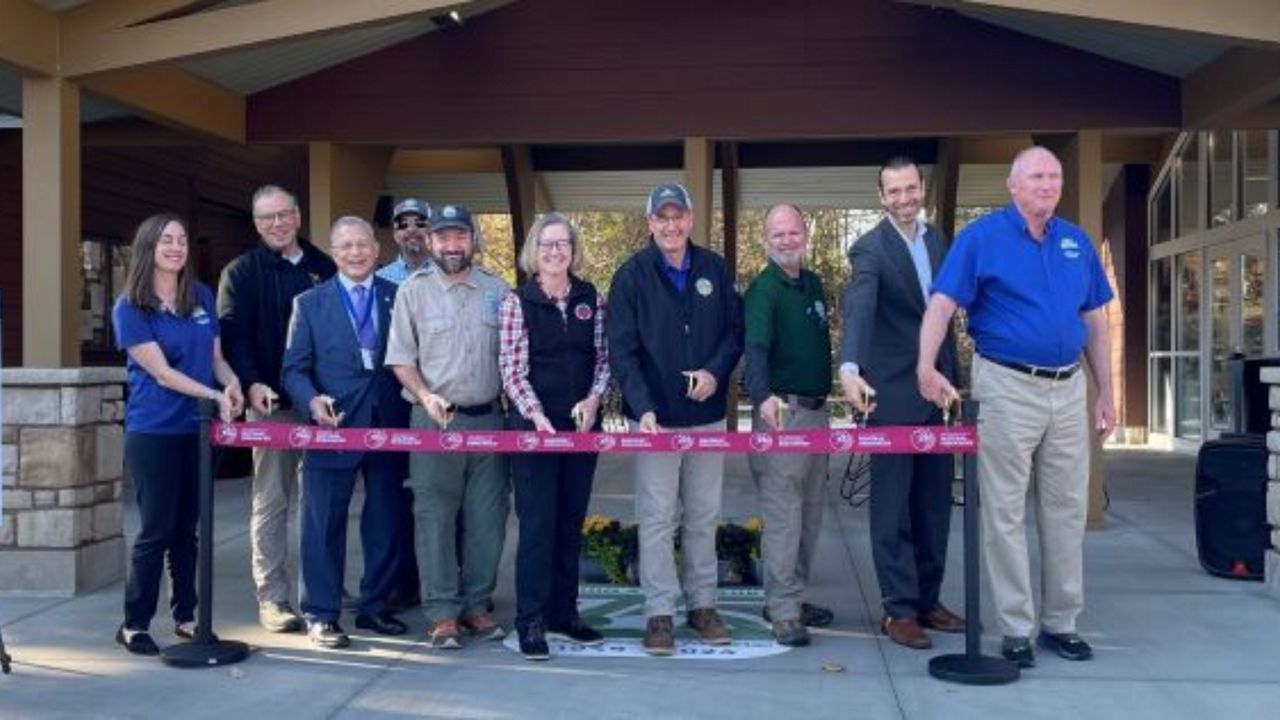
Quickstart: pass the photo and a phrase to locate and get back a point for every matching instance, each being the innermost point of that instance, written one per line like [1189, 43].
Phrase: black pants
[552, 492]
[166, 480]
[910, 522]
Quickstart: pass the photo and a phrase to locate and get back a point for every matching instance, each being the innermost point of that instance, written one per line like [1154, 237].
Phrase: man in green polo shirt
[788, 376]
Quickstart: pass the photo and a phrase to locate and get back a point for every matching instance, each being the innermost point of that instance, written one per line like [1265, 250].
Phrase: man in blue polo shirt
[1036, 296]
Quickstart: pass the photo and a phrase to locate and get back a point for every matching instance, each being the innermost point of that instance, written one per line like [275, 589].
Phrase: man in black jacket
[675, 335]
[255, 298]
[893, 267]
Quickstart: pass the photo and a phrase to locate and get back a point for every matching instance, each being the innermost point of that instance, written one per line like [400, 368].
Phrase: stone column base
[62, 572]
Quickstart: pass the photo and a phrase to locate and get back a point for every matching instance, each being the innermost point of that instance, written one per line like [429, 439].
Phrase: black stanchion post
[972, 668]
[206, 650]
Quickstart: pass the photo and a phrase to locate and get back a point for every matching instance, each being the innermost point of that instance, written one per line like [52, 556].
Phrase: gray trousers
[1034, 438]
[791, 505]
[275, 480]
[678, 490]
[444, 483]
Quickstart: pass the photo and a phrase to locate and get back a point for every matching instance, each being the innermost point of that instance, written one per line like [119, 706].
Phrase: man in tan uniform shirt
[444, 350]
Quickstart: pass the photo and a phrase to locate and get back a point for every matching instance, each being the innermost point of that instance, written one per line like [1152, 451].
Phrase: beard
[453, 263]
[790, 260]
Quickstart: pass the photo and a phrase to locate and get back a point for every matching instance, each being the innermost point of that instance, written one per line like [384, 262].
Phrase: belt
[804, 401]
[1050, 373]
[474, 410]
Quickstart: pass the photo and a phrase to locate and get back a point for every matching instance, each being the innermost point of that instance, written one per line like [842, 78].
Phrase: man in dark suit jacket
[893, 266]
[333, 371]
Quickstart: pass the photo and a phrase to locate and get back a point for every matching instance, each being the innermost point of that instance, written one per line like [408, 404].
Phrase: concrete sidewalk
[1171, 641]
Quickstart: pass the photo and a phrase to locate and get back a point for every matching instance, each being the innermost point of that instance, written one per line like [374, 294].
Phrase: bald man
[788, 377]
[1036, 297]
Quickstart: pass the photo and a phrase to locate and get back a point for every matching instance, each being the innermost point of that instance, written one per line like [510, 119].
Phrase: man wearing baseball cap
[675, 335]
[409, 222]
[444, 350]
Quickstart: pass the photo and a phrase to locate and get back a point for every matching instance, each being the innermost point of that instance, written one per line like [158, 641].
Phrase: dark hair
[897, 162]
[139, 284]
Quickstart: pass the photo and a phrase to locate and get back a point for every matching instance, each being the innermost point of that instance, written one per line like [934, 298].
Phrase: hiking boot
[791, 633]
[659, 636]
[710, 628]
[444, 635]
[279, 617]
[483, 626]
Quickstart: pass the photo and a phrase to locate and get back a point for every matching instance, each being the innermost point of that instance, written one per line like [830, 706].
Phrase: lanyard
[366, 315]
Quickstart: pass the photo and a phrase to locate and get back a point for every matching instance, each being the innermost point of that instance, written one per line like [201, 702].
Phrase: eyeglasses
[664, 220]
[283, 216]
[554, 244]
[405, 224]
[346, 247]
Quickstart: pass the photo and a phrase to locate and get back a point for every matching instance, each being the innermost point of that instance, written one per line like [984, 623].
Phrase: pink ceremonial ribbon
[892, 440]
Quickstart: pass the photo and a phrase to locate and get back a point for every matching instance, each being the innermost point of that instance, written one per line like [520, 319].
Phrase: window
[1257, 174]
[1222, 199]
[1188, 189]
[1162, 214]
[104, 262]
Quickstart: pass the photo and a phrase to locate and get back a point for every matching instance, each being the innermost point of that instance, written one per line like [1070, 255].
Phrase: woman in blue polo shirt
[167, 322]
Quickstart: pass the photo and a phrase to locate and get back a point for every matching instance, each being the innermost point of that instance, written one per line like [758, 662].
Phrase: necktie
[365, 331]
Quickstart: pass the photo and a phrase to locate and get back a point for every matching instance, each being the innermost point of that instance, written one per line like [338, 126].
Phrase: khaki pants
[678, 489]
[275, 480]
[791, 505]
[1034, 435]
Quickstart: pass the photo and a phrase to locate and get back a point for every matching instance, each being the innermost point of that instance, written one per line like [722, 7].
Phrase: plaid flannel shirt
[513, 356]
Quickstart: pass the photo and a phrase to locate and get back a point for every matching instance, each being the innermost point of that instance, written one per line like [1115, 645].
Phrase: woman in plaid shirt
[555, 368]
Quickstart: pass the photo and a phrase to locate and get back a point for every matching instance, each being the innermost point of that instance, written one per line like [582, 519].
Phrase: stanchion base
[192, 655]
[974, 669]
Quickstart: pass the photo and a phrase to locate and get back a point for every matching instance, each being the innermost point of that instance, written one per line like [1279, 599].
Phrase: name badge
[367, 357]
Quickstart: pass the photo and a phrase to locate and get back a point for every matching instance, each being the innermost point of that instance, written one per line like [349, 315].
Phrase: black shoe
[577, 631]
[383, 623]
[1066, 645]
[533, 642]
[810, 615]
[138, 642]
[327, 635]
[1018, 650]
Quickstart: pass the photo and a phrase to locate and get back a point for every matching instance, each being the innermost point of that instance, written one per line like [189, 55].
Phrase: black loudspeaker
[1231, 506]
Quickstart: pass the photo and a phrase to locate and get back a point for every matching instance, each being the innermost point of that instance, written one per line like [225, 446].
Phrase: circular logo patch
[300, 437]
[761, 442]
[923, 439]
[451, 441]
[703, 286]
[374, 439]
[841, 441]
[681, 442]
[527, 441]
[227, 433]
[582, 311]
[606, 442]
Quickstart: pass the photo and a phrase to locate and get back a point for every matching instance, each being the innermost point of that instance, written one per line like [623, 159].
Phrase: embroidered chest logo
[582, 311]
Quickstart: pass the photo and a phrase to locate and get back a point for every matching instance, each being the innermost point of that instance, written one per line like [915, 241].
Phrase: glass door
[1237, 309]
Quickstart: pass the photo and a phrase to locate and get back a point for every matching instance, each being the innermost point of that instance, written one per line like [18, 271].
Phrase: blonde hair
[529, 253]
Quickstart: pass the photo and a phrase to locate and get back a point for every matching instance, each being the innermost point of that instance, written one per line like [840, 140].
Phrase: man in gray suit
[893, 267]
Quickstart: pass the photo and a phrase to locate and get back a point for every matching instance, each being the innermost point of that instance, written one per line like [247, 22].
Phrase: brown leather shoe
[659, 636]
[906, 632]
[942, 620]
[710, 628]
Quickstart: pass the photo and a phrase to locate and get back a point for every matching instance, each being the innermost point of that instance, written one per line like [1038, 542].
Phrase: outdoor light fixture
[450, 21]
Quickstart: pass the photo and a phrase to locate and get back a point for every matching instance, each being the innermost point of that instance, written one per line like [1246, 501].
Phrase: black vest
[562, 347]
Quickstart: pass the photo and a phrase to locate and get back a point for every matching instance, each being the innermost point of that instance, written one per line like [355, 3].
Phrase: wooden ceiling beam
[228, 28]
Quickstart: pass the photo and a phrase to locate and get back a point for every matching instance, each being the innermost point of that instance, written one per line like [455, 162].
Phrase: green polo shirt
[789, 317]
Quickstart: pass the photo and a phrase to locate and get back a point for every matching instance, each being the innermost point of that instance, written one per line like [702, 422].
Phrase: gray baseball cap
[668, 194]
